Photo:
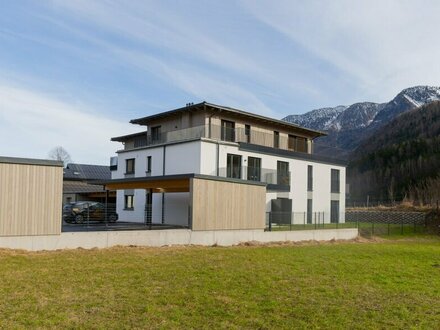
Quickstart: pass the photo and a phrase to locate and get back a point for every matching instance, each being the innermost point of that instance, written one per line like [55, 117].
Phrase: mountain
[401, 159]
[348, 126]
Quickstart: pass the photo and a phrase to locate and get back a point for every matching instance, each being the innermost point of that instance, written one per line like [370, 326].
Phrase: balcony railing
[265, 175]
[222, 133]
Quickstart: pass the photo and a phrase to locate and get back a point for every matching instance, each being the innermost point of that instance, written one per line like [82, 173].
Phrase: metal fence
[96, 216]
[369, 223]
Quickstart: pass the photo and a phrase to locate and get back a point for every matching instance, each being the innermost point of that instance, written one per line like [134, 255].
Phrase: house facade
[226, 144]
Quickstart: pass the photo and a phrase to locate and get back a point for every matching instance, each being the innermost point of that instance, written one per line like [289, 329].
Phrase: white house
[213, 142]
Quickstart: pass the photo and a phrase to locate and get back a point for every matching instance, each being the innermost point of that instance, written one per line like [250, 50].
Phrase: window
[247, 133]
[254, 169]
[283, 173]
[129, 166]
[276, 139]
[148, 164]
[291, 142]
[233, 166]
[335, 181]
[310, 178]
[129, 202]
[334, 212]
[228, 131]
[155, 134]
[309, 211]
[301, 144]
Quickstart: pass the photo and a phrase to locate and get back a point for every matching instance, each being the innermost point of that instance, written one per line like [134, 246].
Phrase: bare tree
[61, 154]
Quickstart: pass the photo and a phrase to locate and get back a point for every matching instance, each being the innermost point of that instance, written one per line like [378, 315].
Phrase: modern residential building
[213, 142]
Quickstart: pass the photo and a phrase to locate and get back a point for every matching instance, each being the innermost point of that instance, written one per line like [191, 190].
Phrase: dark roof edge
[177, 177]
[292, 154]
[122, 138]
[31, 161]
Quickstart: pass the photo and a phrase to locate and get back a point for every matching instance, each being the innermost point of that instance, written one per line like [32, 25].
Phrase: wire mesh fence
[369, 223]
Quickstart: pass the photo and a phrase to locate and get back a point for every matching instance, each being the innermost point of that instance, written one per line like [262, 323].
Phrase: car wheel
[79, 218]
[112, 218]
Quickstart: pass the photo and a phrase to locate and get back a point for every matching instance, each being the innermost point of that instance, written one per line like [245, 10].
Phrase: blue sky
[73, 73]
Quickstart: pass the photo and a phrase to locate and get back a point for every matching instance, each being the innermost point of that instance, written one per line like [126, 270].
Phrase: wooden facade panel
[30, 199]
[218, 205]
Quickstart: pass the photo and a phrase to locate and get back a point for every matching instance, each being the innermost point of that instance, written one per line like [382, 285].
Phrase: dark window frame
[334, 211]
[156, 133]
[309, 178]
[149, 162]
[130, 169]
[231, 169]
[276, 139]
[227, 133]
[291, 142]
[247, 133]
[129, 202]
[283, 175]
[254, 172]
[335, 181]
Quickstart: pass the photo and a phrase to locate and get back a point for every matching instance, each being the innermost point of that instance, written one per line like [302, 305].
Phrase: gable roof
[86, 172]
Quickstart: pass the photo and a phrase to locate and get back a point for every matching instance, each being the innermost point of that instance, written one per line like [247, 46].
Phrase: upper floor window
[283, 173]
[155, 134]
[233, 166]
[291, 142]
[228, 131]
[254, 169]
[335, 184]
[276, 139]
[247, 133]
[301, 144]
[148, 164]
[129, 202]
[129, 166]
[310, 178]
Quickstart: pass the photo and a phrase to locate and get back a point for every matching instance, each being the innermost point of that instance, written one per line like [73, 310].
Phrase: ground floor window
[129, 202]
[334, 211]
[233, 166]
[309, 211]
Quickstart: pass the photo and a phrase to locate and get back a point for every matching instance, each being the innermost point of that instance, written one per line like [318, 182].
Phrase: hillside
[401, 159]
[348, 127]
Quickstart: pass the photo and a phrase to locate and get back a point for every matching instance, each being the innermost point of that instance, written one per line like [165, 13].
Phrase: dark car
[81, 212]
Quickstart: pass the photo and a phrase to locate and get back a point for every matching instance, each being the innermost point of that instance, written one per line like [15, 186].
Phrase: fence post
[88, 215]
[401, 227]
[315, 219]
[270, 221]
[292, 216]
[304, 220]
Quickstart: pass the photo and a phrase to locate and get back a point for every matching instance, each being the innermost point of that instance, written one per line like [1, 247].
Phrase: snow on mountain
[319, 119]
[348, 126]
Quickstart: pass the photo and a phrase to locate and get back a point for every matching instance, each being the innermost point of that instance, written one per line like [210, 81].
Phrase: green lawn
[386, 285]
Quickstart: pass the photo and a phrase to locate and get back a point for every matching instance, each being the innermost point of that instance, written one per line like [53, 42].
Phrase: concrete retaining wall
[88, 240]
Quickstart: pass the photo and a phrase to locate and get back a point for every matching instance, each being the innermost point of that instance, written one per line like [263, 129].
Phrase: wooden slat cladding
[218, 205]
[30, 199]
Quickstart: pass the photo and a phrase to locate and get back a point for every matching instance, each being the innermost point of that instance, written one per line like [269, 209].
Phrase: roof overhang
[236, 112]
[166, 183]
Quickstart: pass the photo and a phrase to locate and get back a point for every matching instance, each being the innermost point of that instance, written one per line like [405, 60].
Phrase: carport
[215, 203]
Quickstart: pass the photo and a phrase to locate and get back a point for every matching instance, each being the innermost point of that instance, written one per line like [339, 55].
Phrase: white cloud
[381, 46]
[32, 123]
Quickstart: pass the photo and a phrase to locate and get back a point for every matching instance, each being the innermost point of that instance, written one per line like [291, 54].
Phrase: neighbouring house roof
[220, 108]
[78, 187]
[84, 172]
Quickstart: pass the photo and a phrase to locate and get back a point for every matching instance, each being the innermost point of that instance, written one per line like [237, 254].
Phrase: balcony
[216, 132]
[275, 179]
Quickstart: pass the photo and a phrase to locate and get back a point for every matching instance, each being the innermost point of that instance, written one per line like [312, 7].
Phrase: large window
[334, 212]
[247, 133]
[254, 169]
[233, 166]
[155, 134]
[301, 144]
[128, 202]
[310, 178]
[129, 166]
[228, 131]
[335, 184]
[276, 139]
[283, 173]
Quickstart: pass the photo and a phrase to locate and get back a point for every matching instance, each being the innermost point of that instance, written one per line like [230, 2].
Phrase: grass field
[387, 284]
